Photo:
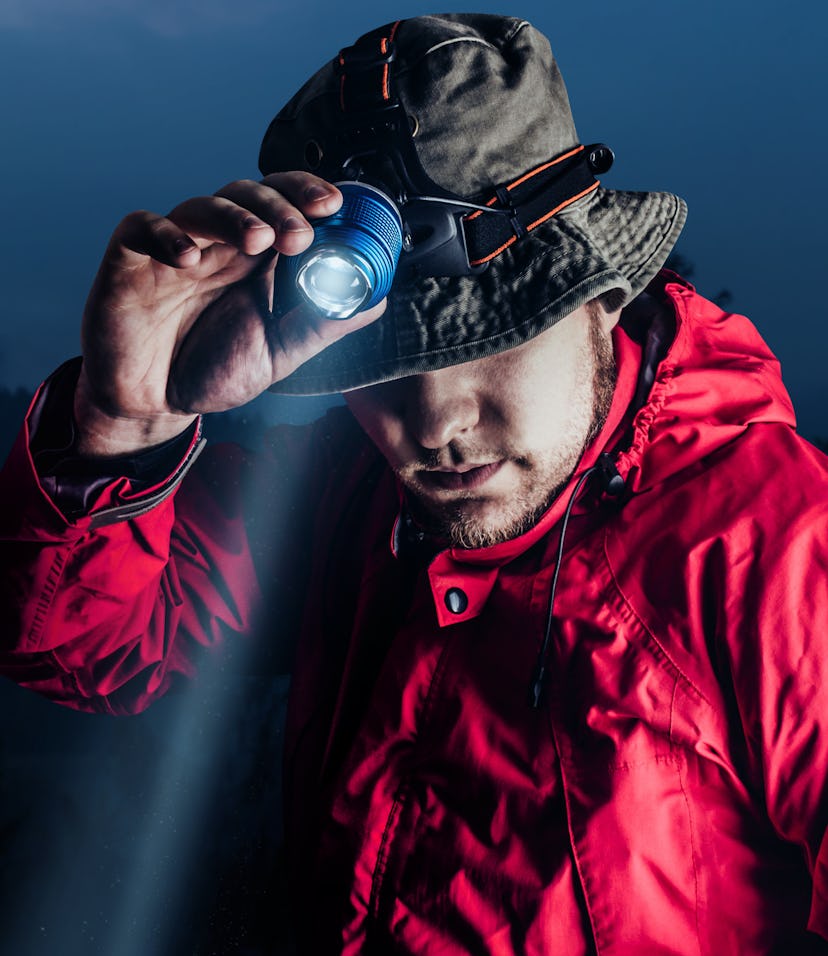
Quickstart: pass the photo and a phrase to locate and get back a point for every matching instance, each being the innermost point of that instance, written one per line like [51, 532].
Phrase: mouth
[462, 478]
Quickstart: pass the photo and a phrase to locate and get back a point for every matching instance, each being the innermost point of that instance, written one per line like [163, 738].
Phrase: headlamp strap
[532, 199]
[367, 93]
[365, 76]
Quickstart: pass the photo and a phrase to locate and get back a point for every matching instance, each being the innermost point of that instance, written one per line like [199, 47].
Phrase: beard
[471, 522]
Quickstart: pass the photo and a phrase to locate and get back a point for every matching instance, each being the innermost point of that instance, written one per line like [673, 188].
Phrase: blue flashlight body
[351, 262]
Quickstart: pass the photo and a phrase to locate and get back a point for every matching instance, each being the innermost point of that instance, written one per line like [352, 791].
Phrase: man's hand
[179, 321]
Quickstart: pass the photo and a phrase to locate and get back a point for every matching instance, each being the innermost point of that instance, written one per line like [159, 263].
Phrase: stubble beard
[542, 480]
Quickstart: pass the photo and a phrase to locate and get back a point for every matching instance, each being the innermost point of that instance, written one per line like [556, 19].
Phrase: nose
[440, 406]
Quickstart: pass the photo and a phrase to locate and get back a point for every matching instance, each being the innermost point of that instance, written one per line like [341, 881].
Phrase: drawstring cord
[613, 484]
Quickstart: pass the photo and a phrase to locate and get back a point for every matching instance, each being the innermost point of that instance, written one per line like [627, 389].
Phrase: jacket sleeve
[105, 610]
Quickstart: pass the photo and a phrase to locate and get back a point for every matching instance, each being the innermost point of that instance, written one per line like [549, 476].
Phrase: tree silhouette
[13, 407]
[679, 263]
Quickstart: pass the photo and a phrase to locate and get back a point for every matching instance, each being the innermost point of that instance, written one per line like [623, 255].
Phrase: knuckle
[277, 180]
[138, 218]
[187, 207]
[236, 186]
[157, 225]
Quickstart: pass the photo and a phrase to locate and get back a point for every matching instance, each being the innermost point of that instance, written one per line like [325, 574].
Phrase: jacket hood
[717, 379]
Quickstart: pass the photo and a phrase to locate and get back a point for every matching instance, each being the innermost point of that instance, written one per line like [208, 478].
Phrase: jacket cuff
[104, 489]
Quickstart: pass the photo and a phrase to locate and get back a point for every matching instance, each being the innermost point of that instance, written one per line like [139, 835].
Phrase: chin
[476, 523]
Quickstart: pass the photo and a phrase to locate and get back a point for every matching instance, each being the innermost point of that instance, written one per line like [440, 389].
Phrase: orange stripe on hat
[537, 222]
[529, 175]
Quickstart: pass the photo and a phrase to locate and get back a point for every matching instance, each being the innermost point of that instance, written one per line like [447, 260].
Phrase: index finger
[144, 234]
[313, 196]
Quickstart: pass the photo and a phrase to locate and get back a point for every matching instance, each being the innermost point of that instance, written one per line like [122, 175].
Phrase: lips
[462, 478]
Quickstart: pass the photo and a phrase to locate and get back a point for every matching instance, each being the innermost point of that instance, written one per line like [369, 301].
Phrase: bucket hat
[487, 104]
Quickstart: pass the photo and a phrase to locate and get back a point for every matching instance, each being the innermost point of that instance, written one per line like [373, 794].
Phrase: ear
[609, 320]
[606, 309]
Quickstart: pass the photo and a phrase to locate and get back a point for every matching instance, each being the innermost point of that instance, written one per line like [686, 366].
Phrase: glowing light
[350, 265]
[335, 281]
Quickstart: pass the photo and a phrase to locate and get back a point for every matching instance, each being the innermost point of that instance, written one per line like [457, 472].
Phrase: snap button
[456, 600]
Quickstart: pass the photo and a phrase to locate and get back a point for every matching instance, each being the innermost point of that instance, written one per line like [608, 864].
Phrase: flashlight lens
[350, 265]
[335, 282]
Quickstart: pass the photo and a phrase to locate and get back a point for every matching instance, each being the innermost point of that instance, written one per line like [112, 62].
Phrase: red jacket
[669, 796]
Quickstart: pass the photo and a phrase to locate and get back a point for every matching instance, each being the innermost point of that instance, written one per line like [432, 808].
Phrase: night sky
[112, 105]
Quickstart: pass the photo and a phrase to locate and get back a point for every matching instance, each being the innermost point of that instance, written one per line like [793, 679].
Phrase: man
[559, 684]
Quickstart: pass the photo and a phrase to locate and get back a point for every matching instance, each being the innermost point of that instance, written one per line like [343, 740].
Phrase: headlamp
[394, 218]
[350, 265]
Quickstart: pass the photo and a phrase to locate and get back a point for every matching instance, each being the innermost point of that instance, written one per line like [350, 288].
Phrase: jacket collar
[691, 378]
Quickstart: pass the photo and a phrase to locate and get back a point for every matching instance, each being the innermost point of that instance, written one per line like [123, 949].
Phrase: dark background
[151, 834]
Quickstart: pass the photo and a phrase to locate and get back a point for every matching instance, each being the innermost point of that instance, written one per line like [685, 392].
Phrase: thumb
[302, 333]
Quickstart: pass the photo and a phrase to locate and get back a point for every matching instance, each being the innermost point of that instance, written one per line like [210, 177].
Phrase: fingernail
[180, 246]
[255, 224]
[315, 193]
[292, 224]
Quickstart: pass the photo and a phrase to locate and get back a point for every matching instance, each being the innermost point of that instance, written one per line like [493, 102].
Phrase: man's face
[483, 448]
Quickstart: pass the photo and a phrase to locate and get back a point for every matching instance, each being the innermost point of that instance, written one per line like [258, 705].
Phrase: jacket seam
[693, 842]
[646, 628]
[383, 856]
[572, 839]
[44, 602]
[384, 853]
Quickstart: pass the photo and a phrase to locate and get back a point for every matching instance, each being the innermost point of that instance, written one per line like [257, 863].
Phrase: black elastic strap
[529, 201]
[366, 77]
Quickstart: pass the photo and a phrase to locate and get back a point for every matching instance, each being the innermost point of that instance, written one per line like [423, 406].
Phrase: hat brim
[611, 240]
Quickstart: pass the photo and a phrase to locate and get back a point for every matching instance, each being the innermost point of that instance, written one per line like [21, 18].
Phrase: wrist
[101, 433]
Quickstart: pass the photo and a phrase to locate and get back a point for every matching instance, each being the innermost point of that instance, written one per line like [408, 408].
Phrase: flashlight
[350, 264]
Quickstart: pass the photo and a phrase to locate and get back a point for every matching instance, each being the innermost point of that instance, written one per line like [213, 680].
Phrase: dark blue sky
[110, 105]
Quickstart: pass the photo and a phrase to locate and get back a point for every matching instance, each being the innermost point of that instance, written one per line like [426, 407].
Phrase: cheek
[535, 413]
[380, 423]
